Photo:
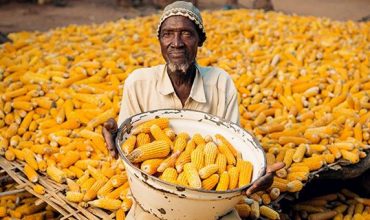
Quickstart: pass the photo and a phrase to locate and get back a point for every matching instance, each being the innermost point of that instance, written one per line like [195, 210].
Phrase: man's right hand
[109, 133]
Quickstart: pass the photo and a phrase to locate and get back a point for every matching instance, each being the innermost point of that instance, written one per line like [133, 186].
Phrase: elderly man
[181, 83]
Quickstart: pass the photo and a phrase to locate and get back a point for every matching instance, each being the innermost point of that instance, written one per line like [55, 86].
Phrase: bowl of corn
[185, 164]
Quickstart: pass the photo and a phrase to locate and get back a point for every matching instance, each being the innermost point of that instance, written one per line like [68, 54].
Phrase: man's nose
[177, 40]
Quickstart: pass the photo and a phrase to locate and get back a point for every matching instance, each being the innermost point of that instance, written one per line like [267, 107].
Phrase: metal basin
[170, 201]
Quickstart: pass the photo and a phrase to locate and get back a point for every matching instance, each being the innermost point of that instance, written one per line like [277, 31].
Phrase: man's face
[179, 42]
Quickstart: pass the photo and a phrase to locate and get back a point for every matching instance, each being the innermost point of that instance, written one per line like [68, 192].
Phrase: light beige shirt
[147, 89]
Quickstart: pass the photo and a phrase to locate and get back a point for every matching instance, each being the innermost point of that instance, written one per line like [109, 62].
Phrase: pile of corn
[197, 162]
[342, 205]
[23, 205]
[304, 90]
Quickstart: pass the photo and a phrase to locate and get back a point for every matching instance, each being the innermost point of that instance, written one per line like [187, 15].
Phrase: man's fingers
[261, 184]
[109, 140]
[275, 167]
[111, 125]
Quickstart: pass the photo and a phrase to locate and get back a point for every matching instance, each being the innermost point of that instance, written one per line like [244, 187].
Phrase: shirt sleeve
[129, 104]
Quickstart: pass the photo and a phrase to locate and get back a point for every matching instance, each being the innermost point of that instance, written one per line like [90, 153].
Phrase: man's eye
[186, 33]
[166, 34]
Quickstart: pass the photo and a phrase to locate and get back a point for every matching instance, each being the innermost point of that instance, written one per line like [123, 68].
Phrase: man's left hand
[265, 181]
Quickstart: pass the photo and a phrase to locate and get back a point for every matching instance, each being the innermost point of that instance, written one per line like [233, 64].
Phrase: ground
[17, 16]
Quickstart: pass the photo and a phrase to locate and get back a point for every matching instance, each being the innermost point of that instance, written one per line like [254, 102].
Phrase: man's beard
[178, 68]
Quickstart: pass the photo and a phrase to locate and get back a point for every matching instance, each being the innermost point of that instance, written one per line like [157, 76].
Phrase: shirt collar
[197, 92]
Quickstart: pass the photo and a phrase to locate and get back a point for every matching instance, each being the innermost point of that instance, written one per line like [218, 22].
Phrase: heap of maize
[303, 86]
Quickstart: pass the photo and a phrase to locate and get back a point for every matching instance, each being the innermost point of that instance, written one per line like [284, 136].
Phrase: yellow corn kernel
[169, 162]
[245, 173]
[30, 173]
[192, 176]
[223, 183]
[129, 144]
[180, 142]
[73, 196]
[126, 204]
[142, 139]
[169, 175]
[55, 174]
[25, 124]
[39, 189]
[197, 158]
[11, 131]
[145, 127]
[155, 149]
[185, 157]
[92, 192]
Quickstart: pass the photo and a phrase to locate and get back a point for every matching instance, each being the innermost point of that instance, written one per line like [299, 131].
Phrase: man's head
[180, 33]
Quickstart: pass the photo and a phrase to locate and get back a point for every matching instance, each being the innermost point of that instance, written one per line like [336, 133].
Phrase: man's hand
[109, 133]
[265, 181]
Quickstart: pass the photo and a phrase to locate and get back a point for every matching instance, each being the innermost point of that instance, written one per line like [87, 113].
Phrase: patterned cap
[186, 9]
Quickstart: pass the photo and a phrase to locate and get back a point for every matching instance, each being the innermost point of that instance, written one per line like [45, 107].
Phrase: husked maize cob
[29, 157]
[208, 170]
[223, 183]
[129, 145]
[210, 182]
[155, 149]
[170, 134]
[226, 151]
[192, 176]
[198, 139]
[197, 158]
[150, 166]
[142, 139]
[221, 161]
[169, 175]
[30, 173]
[105, 203]
[294, 186]
[210, 153]
[70, 158]
[39, 189]
[169, 162]
[120, 214]
[119, 179]
[92, 192]
[182, 180]
[245, 173]
[145, 127]
[115, 194]
[180, 142]
[234, 177]
[72, 185]
[243, 210]
[269, 212]
[299, 153]
[55, 174]
[222, 140]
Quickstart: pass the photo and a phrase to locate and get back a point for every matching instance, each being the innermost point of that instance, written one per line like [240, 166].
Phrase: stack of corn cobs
[303, 86]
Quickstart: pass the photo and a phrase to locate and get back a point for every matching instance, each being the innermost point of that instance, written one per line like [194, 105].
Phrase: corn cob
[192, 176]
[145, 127]
[223, 183]
[150, 166]
[156, 149]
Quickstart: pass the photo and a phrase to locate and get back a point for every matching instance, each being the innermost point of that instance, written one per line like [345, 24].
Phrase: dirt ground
[19, 16]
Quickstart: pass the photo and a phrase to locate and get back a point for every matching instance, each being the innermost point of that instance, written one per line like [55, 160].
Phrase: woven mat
[54, 194]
